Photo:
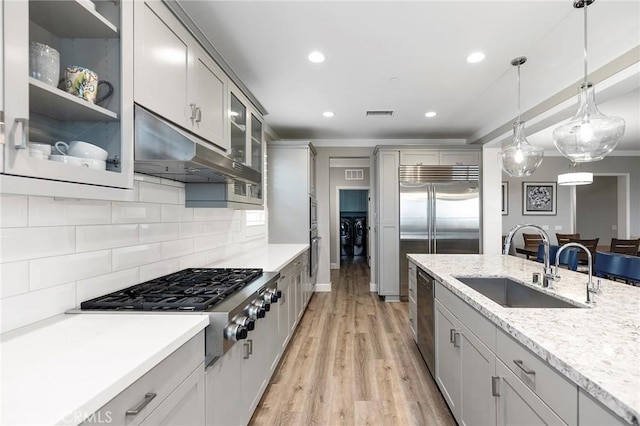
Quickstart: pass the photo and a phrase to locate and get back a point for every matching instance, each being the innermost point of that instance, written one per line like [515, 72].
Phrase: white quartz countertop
[61, 370]
[598, 348]
[271, 257]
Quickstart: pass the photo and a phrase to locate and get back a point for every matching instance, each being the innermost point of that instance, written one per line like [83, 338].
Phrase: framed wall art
[505, 198]
[539, 198]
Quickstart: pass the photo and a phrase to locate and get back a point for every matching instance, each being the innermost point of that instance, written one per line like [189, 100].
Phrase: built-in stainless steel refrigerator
[439, 212]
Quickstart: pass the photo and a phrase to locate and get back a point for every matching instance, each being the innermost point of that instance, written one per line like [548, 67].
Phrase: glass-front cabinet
[245, 129]
[69, 79]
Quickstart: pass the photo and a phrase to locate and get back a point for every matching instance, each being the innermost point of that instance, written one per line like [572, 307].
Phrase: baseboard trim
[373, 287]
[334, 265]
[323, 288]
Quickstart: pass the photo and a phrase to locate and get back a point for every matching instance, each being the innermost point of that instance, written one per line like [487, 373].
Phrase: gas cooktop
[194, 289]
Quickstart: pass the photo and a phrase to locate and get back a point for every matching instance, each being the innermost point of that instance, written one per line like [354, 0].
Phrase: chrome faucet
[590, 287]
[548, 275]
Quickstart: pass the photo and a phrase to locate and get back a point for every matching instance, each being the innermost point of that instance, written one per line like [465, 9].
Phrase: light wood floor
[352, 361]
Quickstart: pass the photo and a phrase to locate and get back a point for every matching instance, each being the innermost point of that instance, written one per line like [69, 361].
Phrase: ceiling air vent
[379, 113]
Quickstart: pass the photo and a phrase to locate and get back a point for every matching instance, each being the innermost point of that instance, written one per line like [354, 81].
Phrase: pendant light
[575, 177]
[589, 135]
[518, 157]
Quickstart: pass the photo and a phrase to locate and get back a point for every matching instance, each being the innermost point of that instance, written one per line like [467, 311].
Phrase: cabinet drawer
[413, 318]
[161, 380]
[555, 390]
[413, 283]
[484, 329]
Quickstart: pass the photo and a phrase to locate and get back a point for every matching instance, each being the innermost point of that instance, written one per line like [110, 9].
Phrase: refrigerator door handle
[434, 236]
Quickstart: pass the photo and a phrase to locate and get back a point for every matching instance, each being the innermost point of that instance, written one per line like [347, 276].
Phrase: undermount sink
[512, 294]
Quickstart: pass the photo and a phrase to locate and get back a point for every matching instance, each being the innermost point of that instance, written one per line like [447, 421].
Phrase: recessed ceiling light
[328, 114]
[430, 114]
[475, 57]
[316, 57]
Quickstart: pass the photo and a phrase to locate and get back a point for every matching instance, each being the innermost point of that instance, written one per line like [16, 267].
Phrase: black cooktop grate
[194, 289]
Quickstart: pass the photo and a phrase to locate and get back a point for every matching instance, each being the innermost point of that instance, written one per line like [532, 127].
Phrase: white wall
[56, 253]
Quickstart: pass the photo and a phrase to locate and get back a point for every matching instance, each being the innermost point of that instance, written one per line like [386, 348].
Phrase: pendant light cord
[519, 93]
[585, 42]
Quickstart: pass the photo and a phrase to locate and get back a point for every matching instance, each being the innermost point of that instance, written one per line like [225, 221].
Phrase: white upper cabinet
[208, 92]
[161, 62]
[436, 157]
[94, 35]
[175, 78]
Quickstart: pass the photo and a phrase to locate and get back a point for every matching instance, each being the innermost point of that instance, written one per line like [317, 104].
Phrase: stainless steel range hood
[163, 149]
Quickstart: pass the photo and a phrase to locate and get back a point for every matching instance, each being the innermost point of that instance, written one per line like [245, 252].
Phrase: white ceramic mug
[81, 149]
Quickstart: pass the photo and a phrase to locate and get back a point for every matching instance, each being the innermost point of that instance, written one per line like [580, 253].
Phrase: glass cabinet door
[80, 42]
[256, 143]
[238, 120]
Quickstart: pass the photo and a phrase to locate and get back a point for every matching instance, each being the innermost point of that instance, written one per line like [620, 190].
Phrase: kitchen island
[596, 347]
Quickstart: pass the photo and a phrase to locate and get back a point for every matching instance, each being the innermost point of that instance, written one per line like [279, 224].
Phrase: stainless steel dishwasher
[426, 319]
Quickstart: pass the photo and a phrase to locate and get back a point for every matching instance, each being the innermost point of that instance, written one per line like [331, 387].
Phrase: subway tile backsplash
[56, 253]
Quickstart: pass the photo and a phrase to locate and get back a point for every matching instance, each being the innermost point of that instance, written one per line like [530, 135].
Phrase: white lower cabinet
[464, 372]
[185, 406]
[171, 393]
[592, 413]
[413, 309]
[284, 325]
[224, 389]
[488, 378]
[236, 381]
[518, 404]
[255, 371]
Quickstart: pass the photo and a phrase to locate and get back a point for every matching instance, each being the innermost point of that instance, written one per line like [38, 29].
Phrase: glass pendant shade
[589, 135]
[518, 157]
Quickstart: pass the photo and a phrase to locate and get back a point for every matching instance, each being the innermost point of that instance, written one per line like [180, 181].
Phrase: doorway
[602, 208]
[353, 232]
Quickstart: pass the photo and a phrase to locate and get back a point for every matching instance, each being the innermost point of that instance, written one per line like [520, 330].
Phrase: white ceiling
[424, 44]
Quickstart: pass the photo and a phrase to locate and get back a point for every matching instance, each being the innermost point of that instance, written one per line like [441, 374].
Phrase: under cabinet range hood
[163, 149]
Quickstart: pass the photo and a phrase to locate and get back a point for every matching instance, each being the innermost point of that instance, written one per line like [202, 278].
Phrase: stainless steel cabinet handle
[245, 347]
[193, 111]
[198, 114]
[456, 340]
[454, 337]
[522, 367]
[250, 342]
[495, 385]
[148, 397]
[283, 298]
[25, 132]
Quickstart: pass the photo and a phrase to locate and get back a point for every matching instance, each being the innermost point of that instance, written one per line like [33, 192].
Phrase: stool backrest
[629, 247]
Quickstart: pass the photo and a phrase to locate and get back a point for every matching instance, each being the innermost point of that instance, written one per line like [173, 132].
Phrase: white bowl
[67, 159]
[45, 148]
[94, 164]
[81, 149]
